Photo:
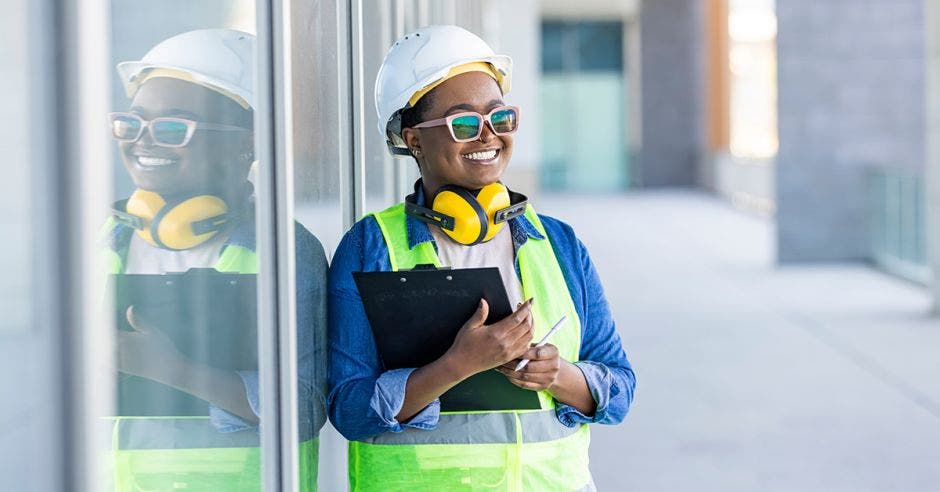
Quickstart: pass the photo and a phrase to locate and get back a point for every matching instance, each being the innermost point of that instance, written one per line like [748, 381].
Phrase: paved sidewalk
[753, 377]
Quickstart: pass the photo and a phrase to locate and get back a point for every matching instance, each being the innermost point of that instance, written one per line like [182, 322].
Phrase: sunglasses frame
[191, 127]
[448, 120]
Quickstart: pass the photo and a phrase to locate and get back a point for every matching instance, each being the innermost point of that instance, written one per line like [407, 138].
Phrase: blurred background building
[796, 141]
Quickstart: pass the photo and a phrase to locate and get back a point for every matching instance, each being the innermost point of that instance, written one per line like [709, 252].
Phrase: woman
[439, 96]
[187, 143]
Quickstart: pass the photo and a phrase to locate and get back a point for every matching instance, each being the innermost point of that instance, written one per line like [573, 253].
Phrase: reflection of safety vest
[188, 453]
[515, 450]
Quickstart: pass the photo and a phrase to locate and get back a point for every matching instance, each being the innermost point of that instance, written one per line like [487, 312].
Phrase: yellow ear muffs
[145, 205]
[469, 219]
[493, 198]
[190, 222]
[175, 225]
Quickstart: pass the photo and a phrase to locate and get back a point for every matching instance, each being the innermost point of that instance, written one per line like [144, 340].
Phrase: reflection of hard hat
[220, 59]
[420, 61]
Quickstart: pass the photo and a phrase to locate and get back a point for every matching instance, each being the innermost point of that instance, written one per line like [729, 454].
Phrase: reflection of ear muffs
[467, 218]
[174, 224]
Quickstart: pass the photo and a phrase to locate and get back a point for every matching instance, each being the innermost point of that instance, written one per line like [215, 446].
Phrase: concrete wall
[672, 63]
[851, 84]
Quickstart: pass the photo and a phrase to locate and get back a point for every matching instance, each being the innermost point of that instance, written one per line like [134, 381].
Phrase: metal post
[75, 101]
[275, 248]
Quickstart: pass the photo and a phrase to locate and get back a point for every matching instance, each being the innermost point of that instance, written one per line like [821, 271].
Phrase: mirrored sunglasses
[468, 126]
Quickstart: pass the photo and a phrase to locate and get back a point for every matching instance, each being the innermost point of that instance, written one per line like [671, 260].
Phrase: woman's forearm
[224, 389]
[428, 383]
[571, 388]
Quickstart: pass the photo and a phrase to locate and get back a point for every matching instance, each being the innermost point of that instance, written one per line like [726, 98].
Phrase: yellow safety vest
[514, 450]
[188, 453]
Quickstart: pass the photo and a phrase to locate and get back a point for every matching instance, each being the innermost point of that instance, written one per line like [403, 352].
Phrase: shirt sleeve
[363, 398]
[389, 396]
[311, 347]
[603, 361]
[225, 421]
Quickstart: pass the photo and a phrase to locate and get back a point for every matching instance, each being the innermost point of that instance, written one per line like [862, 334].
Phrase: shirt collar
[521, 228]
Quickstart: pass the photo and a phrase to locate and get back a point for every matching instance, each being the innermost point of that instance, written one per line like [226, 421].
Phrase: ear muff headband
[175, 225]
[469, 219]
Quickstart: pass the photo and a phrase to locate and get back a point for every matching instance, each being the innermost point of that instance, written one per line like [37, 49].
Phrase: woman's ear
[412, 140]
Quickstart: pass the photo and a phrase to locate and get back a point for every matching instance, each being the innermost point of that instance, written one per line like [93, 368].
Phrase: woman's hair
[418, 113]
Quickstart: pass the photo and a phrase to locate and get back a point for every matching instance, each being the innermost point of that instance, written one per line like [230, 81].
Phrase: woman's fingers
[479, 316]
[528, 380]
[545, 352]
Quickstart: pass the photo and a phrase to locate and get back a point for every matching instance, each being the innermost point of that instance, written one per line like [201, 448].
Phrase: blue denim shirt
[365, 398]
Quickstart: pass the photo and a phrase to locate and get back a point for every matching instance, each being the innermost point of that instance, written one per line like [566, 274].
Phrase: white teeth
[481, 156]
[154, 161]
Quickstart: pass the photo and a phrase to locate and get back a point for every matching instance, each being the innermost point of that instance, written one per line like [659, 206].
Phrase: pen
[522, 363]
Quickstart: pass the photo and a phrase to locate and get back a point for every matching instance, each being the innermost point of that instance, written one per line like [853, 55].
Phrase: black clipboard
[415, 316]
[210, 316]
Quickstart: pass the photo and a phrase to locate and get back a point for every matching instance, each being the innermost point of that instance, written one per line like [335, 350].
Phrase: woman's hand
[476, 348]
[547, 371]
[146, 351]
[479, 346]
[542, 371]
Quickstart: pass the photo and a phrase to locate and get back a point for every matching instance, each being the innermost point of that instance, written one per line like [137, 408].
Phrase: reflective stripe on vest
[483, 428]
[504, 450]
[176, 433]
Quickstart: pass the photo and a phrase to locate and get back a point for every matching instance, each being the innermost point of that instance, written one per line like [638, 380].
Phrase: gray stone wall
[672, 57]
[851, 98]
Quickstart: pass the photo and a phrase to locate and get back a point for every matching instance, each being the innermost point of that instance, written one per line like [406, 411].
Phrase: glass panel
[15, 188]
[181, 252]
[600, 46]
[553, 47]
[319, 113]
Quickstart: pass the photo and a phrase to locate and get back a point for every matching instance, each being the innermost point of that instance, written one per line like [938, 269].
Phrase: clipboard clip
[423, 267]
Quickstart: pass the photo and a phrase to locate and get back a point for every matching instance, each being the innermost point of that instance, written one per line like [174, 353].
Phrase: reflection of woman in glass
[187, 143]
[439, 95]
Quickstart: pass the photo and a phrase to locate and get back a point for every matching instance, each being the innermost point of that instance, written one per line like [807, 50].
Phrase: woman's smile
[486, 156]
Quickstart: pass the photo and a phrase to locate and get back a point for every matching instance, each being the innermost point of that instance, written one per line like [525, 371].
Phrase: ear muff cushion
[146, 205]
[174, 229]
[492, 198]
[469, 218]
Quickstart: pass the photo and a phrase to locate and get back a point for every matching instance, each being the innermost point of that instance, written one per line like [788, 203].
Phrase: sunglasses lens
[169, 132]
[466, 127]
[504, 121]
[125, 127]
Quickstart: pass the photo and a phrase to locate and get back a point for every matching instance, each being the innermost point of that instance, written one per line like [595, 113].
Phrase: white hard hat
[220, 59]
[423, 59]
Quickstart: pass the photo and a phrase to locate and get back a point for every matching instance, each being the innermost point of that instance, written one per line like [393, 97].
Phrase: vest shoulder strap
[393, 222]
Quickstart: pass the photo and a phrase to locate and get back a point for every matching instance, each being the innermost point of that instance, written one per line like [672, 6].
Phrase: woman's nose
[486, 134]
[146, 138]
